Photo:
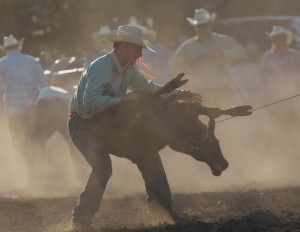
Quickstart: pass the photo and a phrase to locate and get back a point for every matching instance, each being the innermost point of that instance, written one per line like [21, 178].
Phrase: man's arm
[39, 73]
[93, 97]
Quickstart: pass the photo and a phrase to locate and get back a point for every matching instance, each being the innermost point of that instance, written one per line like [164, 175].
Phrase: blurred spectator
[21, 76]
[207, 56]
[60, 64]
[44, 59]
[154, 66]
[253, 54]
[69, 62]
[158, 62]
[280, 66]
[99, 49]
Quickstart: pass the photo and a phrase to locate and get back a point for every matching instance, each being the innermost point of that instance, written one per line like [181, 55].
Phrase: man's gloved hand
[188, 96]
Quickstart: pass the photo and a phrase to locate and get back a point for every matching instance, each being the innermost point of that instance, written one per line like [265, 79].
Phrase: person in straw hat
[207, 56]
[21, 76]
[104, 83]
[280, 79]
[280, 66]
[99, 48]
[156, 65]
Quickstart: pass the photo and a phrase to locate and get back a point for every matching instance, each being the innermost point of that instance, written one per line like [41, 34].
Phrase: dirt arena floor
[275, 209]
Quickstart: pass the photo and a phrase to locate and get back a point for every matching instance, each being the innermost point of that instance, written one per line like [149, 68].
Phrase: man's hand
[188, 96]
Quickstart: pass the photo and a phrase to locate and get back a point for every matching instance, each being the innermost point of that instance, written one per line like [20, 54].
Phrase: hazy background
[262, 149]
[63, 26]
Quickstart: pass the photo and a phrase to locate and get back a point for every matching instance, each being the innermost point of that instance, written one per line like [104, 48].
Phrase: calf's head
[191, 136]
[210, 147]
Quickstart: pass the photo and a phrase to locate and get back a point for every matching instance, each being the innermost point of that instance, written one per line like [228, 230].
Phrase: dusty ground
[252, 210]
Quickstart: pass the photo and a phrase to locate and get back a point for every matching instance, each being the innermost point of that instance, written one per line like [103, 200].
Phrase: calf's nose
[216, 170]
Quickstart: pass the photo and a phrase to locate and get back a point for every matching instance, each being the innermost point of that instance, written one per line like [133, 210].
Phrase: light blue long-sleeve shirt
[21, 76]
[104, 83]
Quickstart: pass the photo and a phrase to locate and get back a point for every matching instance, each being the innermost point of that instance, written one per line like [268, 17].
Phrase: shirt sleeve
[42, 79]
[97, 77]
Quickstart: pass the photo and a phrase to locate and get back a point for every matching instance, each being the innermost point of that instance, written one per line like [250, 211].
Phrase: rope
[151, 75]
[261, 107]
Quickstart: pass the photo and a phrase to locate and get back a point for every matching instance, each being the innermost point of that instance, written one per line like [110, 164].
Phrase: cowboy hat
[201, 16]
[104, 31]
[10, 40]
[128, 34]
[279, 30]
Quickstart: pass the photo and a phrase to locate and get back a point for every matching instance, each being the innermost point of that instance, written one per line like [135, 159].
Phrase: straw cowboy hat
[201, 16]
[10, 40]
[128, 34]
[279, 30]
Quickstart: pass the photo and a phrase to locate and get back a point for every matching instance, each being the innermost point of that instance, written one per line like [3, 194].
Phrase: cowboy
[207, 56]
[104, 83]
[280, 66]
[21, 76]
[280, 78]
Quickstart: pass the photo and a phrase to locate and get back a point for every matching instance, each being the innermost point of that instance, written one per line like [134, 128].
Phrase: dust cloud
[54, 173]
[262, 151]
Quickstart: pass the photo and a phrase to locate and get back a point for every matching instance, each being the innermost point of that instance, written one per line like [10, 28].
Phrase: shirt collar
[115, 60]
[13, 52]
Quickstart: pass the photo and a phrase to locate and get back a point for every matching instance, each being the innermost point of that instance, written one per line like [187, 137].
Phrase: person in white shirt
[206, 57]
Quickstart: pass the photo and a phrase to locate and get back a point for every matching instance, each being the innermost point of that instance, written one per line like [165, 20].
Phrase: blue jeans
[150, 165]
